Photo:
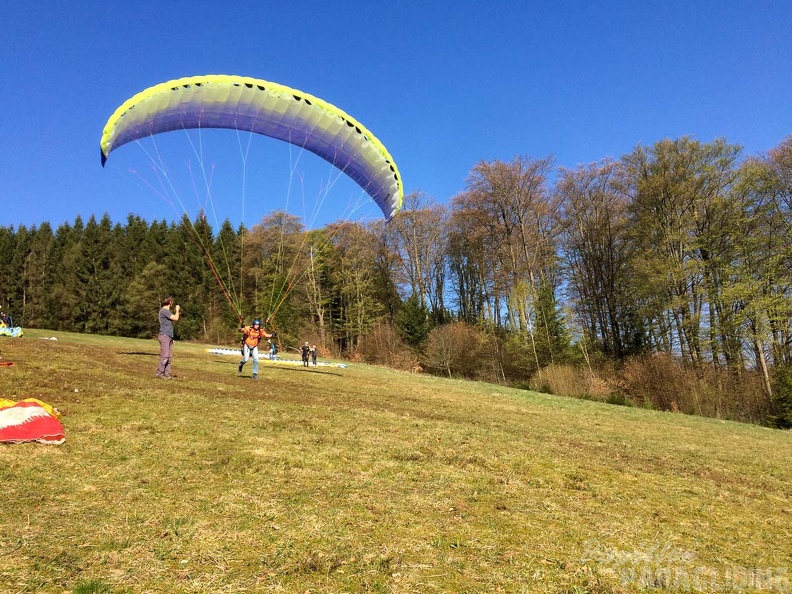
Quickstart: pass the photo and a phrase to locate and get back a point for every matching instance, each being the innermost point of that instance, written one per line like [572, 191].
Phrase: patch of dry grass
[368, 480]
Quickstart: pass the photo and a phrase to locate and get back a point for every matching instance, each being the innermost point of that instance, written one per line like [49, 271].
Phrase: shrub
[570, 380]
[656, 381]
[455, 349]
[661, 382]
[382, 346]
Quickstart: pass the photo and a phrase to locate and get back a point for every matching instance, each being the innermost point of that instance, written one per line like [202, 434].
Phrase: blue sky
[444, 85]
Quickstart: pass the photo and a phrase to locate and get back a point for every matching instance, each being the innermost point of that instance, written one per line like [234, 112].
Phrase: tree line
[662, 278]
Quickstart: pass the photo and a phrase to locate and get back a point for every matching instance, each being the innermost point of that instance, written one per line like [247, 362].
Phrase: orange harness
[253, 336]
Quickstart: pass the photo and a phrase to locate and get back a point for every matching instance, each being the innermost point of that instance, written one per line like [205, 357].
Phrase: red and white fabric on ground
[30, 420]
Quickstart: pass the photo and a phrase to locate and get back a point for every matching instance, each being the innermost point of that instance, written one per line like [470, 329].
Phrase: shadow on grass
[303, 370]
[276, 367]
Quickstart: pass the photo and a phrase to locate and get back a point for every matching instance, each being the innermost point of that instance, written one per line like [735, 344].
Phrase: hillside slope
[368, 479]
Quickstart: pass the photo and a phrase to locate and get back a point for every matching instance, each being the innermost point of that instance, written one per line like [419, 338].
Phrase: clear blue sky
[442, 84]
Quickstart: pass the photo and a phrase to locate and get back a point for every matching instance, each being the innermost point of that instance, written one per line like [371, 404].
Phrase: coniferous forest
[661, 279]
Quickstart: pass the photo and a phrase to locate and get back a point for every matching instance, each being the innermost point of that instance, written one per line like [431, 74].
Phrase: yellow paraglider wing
[242, 103]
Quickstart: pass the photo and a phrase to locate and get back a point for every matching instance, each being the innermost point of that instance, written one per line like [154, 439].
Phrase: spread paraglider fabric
[262, 107]
[30, 420]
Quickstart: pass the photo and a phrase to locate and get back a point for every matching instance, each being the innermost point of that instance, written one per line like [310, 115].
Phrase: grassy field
[366, 479]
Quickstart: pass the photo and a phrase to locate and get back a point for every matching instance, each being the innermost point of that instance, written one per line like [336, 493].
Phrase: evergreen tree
[17, 281]
[129, 257]
[552, 337]
[155, 244]
[413, 322]
[186, 270]
[39, 278]
[781, 414]
[141, 301]
[131, 246]
[64, 296]
[98, 288]
[7, 248]
[227, 257]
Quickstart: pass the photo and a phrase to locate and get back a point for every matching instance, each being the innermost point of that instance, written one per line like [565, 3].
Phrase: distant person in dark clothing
[313, 354]
[165, 336]
[305, 350]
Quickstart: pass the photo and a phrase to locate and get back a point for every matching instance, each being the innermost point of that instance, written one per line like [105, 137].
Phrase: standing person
[165, 336]
[273, 350]
[253, 335]
[313, 354]
[306, 351]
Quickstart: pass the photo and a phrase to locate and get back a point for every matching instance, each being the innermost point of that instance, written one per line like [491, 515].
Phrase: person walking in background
[313, 354]
[253, 335]
[305, 350]
[165, 336]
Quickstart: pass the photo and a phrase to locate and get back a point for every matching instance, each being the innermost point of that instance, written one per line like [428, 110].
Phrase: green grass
[365, 479]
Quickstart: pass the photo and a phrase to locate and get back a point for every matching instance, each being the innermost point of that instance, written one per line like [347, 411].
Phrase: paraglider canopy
[259, 106]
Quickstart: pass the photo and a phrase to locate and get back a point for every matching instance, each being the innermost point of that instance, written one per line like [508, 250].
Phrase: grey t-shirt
[166, 324]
